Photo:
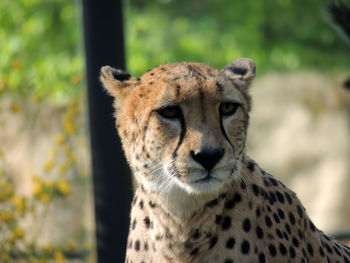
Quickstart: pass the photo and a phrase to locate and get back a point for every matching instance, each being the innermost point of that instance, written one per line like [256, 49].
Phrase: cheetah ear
[116, 81]
[241, 72]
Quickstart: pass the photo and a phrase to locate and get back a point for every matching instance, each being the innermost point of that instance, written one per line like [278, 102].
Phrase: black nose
[208, 158]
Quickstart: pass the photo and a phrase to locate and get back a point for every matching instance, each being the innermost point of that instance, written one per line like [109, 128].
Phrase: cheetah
[199, 197]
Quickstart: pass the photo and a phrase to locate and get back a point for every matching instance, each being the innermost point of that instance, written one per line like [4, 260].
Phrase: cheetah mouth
[206, 179]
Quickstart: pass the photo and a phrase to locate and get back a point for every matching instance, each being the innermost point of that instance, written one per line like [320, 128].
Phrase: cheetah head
[183, 125]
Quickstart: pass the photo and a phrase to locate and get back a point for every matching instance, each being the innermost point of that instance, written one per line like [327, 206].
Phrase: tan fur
[240, 214]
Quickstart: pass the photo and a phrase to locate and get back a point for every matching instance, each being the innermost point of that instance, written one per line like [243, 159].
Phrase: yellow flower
[59, 139]
[18, 232]
[6, 216]
[16, 64]
[71, 245]
[70, 154]
[69, 126]
[6, 189]
[64, 167]
[20, 203]
[1, 154]
[44, 197]
[48, 247]
[4, 257]
[14, 107]
[48, 165]
[37, 97]
[63, 186]
[59, 257]
[4, 80]
[76, 79]
[52, 152]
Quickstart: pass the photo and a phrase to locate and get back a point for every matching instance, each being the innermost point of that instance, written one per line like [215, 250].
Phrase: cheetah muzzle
[200, 198]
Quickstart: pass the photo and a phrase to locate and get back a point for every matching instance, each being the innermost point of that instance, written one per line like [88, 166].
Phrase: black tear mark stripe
[225, 135]
[182, 136]
[178, 89]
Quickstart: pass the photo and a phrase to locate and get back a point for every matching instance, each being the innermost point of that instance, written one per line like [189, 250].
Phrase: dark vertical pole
[104, 45]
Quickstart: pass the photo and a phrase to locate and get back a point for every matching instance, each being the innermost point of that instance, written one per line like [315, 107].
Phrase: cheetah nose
[208, 158]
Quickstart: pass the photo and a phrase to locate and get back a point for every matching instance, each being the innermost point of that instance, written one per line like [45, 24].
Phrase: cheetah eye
[170, 112]
[228, 108]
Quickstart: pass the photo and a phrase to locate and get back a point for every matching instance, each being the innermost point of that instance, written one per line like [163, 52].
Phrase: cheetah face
[183, 125]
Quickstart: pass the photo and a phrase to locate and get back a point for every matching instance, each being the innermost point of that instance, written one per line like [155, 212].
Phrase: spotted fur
[200, 198]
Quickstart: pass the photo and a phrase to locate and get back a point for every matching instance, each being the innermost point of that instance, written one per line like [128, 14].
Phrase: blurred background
[300, 122]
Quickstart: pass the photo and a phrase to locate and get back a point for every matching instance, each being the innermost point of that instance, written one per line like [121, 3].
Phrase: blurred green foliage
[39, 43]
[277, 34]
[41, 47]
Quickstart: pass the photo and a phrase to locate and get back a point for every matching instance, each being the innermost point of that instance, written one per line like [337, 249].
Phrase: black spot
[287, 227]
[295, 242]
[280, 197]
[272, 250]
[194, 251]
[312, 226]
[268, 221]
[250, 166]
[321, 251]
[196, 234]
[285, 235]
[282, 249]
[218, 219]
[277, 219]
[133, 225]
[226, 224]
[329, 249]
[246, 225]
[147, 221]
[272, 197]
[262, 258]
[141, 204]
[337, 250]
[291, 218]
[255, 189]
[228, 260]
[245, 247]
[301, 235]
[145, 246]
[151, 204]
[292, 252]
[230, 243]
[137, 245]
[212, 203]
[134, 200]
[310, 249]
[266, 183]
[280, 213]
[259, 232]
[257, 212]
[213, 242]
[235, 200]
[279, 233]
[289, 198]
[300, 211]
